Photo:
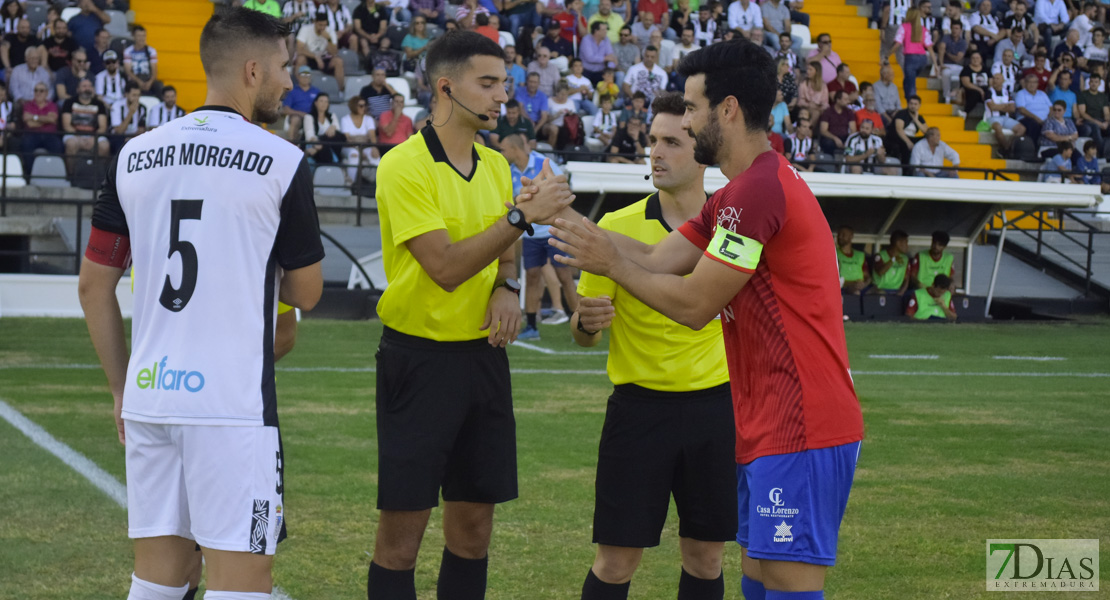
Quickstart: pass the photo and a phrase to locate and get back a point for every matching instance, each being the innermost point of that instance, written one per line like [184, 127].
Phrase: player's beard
[267, 107]
[708, 142]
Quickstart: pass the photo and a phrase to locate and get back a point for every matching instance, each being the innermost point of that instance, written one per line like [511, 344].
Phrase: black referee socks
[190, 595]
[596, 589]
[386, 584]
[692, 588]
[461, 578]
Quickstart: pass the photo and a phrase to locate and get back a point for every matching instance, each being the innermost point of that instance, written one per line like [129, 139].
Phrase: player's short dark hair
[898, 235]
[842, 67]
[668, 103]
[168, 88]
[597, 25]
[321, 16]
[135, 28]
[575, 60]
[1089, 145]
[512, 103]
[651, 49]
[941, 237]
[230, 29]
[481, 20]
[942, 281]
[913, 97]
[450, 52]
[740, 69]
[130, 85]
[639, 96]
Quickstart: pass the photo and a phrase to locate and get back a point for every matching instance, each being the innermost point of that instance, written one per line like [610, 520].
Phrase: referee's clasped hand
[587, 246]
[542, 198]
[596, 314]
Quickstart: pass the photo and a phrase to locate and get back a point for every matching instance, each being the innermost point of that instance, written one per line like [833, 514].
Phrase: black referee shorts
[445, 420]
[657, 444]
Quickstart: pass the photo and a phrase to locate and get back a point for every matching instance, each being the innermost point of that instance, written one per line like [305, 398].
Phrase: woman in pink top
[812, 93]
[917, 46]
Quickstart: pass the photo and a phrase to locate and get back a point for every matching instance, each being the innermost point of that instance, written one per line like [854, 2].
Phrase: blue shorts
[537, 253]
[791, 505]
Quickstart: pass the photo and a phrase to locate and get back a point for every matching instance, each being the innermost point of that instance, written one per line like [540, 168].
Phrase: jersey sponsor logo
[775, 496]
[729, 217]
[159, 377]
[778, 508]
[260, 520]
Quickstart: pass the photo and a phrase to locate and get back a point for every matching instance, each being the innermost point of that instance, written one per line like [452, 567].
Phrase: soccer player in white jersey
[221, 216]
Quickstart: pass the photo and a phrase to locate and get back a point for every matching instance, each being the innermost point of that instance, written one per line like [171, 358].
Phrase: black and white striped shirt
[109, 87]
[119, 112]
[704, 34]
[996, 97]
[856, 145]
[306, 8]
[986, 21]
[1010, 75]
[898, 9]
[799, 149]
[160, 115]
[338, 19]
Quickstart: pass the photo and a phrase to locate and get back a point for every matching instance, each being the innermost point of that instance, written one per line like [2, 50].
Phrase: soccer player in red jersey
[754, 256]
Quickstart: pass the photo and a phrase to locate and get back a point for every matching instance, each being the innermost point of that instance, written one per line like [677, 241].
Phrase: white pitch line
[528, 346]
[904, 356]
[1033, 358]
[79, 462]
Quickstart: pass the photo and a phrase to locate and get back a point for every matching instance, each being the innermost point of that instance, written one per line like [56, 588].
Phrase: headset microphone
[481, 117]
[647, 177]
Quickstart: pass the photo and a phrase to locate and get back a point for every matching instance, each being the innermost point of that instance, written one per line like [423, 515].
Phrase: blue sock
[753, 590]
[777, 595]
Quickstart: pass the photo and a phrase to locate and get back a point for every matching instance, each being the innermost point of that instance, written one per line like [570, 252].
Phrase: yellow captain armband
[735, 250]
[283, 308]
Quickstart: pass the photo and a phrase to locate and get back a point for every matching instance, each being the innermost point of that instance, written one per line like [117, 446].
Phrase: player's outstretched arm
[302, 287]
[97, 291]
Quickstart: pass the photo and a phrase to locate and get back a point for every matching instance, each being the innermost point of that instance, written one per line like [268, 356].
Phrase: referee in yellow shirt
[669, 425]
[444, 403]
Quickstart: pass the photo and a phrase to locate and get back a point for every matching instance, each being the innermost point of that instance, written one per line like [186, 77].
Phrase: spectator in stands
[800, 148]
[643, 28]
[85, 25]
[40, 127]
[1041, 69]
[705, 26]
[889, 265]
[606, 122]
[110, 81]
[933, 303]
[369, 24]
[870, 112]
[1057, 128]
[637, 107]
[167, 111]
[1097, 51]
[999, 113]
[596, 52]
[490, 27]
[787, 84]
[780, 116]
[826, 57]
[547, 72]
[298, 102]
[514, 73]
[612, 20]
[951, 52]
[467, 13]
[140, 64]
[1011, 73]
[776, 21]
[521, 13]
[7, 122]
[11, 13]
[1015, 45]
[533, 101]
[1051, 17]
[1085, 22]
[415, 44]
[985, 30]
[837, 123]
[394, 126]
[907, 131]
[582, 89]
[570, 16]
[558, 107]
[59, 47]
[321, 125]
[1093, 109]
[102, 44]
[46, 28]
[745, 16]
[270, 7]
[929, 155]
[953, 13]
[627, 52]
[1033, 105]
[297, 14]
[65, 80]
[646, 76]
[928, 264]
[660, 13]
[887, 97]
[974, 80]
[1019, 19]
[786, 51]
[384, 57]
[342, 23]
[892, 16]
[317, 48]
[127, 117]
[681, 17]
[24, 78]
[629, 144]
[666, 48]
[1060, 89]
[854, 267]
[13, 50]
[863, 150]
[843, 83]
[1087, 164]
[1071, 46]
[813, 93]
[608, 86]
[85, 123]
[378, 94]
[559, 48]
[916, 44]
[359, 128]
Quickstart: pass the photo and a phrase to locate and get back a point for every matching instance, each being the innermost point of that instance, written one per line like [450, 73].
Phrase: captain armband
[108, 249]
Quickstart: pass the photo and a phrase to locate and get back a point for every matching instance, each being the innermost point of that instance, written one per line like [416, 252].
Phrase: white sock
[217, 595]
[145, 590]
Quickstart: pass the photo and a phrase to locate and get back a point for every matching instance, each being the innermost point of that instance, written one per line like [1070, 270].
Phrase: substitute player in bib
[668, 426]
[223, 221]
[758, 255]
[444, 403]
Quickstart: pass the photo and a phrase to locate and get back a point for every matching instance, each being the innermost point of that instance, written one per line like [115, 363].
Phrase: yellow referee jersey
[645, 347]
[420, 191]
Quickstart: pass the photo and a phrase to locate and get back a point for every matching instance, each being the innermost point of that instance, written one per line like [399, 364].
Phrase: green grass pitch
[950, 460]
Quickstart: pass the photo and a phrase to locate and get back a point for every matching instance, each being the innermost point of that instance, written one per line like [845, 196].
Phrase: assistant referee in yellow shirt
[444, 402]
[669, 425]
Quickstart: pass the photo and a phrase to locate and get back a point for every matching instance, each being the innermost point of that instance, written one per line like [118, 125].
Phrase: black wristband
[583, 329]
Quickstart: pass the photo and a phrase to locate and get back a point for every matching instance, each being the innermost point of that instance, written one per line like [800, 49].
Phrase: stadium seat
[326, 84]
[354, 84]
[49, 171]
[36, 13]
[401, 86]
[1079, 144]
[69, 12]
[339, 109]
[121, 43]
[330, 181]
[351, 4]
[351, 64]
[396, 35]
[799, 30]
[507, 39]
[414, 113]
[150, 102]
[118, 25]
[433, 31]
[594, 144]
[13, 166]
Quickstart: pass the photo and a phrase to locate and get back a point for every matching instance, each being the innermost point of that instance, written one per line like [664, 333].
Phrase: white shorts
[220, 486]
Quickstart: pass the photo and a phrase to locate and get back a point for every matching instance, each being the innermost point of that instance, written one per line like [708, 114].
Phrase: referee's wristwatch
[516, 219]
[512, 285]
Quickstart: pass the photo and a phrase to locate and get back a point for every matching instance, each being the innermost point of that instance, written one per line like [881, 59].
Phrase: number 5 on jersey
[175, 299]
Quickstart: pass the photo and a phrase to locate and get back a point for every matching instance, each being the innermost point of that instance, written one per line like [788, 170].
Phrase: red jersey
[569, 30]
[784, 332]
[656, 7]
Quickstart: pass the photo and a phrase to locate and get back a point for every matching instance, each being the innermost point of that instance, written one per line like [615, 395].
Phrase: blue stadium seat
[330, 181]
[49, 171]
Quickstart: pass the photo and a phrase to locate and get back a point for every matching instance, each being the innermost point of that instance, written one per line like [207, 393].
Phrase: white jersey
[160, 115]
[214, 207]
